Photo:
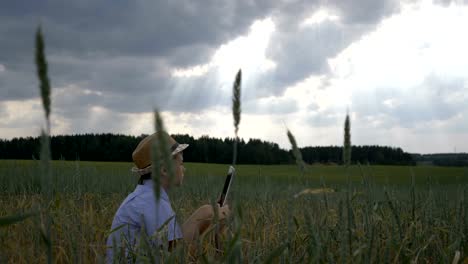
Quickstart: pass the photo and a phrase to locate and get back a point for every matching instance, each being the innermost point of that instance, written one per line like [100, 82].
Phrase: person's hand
[223, 212]
[201, 220]
[206, 212]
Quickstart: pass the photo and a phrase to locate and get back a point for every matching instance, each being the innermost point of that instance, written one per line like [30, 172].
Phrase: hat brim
[180, 148]
[143, 171]
[149, 168]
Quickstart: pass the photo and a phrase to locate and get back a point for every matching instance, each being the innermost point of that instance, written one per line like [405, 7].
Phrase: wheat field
[384, 214]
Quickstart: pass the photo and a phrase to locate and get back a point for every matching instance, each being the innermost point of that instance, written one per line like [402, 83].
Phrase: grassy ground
[380, 217]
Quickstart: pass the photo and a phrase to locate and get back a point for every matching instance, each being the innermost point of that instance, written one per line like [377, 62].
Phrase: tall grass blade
[413, 197]
[161, 154]
[46, 172]
[296, 152]
[347, 142]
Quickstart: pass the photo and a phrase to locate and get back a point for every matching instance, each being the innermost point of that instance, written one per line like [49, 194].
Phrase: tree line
[442, 159]
[205, 149]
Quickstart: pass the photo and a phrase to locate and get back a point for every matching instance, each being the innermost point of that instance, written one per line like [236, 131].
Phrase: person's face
[179, 172]
[179, 169]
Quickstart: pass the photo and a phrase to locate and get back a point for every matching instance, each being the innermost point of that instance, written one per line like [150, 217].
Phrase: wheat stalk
[236, 111]
[44, 86]
[161, 154]
[347, 142]
[44, 83]
[296, 152]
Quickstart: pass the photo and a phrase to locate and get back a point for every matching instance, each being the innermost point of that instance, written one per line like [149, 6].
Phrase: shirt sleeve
[174, 230]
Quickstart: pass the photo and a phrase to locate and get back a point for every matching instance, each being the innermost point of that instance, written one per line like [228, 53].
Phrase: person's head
[143, 161]
[179, 169]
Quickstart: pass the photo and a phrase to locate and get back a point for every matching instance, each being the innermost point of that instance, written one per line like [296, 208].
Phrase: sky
[400, 68]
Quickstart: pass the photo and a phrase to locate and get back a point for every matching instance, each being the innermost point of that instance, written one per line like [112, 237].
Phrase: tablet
[227, 186]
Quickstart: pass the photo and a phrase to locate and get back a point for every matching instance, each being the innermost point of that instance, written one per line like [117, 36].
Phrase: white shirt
[141, 211]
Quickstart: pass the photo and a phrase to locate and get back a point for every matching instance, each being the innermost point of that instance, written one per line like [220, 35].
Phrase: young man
[140, 213]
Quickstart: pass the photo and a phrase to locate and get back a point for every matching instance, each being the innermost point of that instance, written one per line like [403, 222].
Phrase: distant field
[381, 217]
[20, 175]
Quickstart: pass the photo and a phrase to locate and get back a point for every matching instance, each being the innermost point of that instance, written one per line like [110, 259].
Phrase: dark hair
[144, 177]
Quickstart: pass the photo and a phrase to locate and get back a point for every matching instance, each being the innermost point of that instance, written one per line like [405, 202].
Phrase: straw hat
[142, 154]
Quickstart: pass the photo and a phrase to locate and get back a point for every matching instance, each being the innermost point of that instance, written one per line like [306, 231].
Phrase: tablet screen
[227, 185]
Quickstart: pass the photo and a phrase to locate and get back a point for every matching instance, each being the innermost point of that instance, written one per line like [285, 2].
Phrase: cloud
[301, 48]
[88, 38]
[18, 85]
[366, 11]
[305, 52]
[324, 118]
[271, 106]
[448, 2]
[21, 118]
[126, 49]
[433, 99]
[416, 80]
[304, 63]
[143, 28]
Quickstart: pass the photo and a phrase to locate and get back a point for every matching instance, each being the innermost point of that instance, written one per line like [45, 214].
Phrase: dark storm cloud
[146, 28]
[123, 51]
[16, 85]
[118, 55]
